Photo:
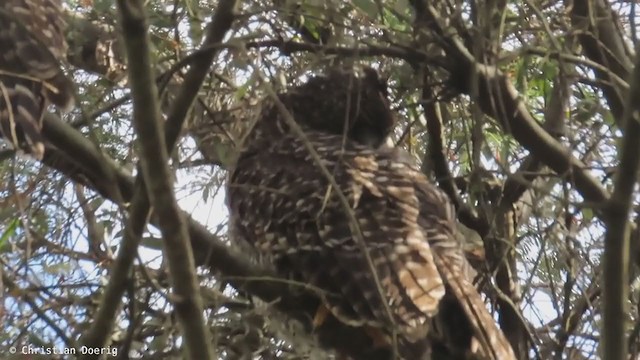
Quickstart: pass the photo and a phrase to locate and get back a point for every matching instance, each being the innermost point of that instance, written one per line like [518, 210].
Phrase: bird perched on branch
[32, 51]
[369, 232]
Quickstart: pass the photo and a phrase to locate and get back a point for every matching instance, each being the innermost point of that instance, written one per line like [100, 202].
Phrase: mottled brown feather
[282, 204]
[32, 51]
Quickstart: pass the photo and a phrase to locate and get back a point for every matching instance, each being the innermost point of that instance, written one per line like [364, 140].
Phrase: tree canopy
[525, 113]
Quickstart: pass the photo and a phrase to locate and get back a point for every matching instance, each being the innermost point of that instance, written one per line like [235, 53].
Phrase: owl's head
[344, 103]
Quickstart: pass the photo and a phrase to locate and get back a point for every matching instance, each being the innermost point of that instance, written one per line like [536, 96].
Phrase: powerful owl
[32, 50]
[362, 226]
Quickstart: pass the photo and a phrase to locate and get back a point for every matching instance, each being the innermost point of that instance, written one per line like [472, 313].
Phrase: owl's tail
[23, 102]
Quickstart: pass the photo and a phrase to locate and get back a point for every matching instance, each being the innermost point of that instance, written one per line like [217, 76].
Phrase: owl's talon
[320, 316]
[379, 338]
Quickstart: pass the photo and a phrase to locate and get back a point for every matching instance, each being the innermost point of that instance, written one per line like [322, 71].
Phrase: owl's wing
[32, 51]
[283, 204]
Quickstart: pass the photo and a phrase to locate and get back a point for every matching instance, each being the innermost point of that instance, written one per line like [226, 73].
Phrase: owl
[336, 211]
[32, 51]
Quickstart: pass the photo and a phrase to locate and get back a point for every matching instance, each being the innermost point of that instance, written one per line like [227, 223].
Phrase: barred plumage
[32, 51]
[282, 204]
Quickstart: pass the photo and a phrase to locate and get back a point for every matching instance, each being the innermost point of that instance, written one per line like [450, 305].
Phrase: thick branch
[602, 42]
[616, 245]
[140, 205]
[154, 161]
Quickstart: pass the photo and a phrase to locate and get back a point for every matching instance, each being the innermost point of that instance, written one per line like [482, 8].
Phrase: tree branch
[154, 161]
[602, 43]
[616, 242]
[140, 205]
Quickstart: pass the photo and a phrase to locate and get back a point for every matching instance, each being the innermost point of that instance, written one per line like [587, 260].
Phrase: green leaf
[8, 232]
[587, 214]
[369, 7]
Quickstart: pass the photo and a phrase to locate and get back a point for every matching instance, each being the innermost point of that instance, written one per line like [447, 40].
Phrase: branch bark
[140, 202]
[602, 42]
[616, 242]
[154, 162]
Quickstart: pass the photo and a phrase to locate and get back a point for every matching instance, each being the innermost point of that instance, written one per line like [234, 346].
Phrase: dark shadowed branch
[602, 42]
